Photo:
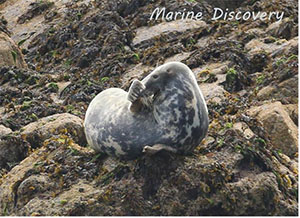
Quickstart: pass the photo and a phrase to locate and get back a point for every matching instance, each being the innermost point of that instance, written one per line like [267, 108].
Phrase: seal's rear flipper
[150, 150]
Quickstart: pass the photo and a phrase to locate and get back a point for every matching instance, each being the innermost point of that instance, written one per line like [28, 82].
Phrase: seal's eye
[155, 76]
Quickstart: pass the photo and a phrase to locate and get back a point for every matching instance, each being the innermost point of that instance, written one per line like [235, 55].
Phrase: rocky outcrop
[210, 77]
[13, 149]
[261, 192]
[57, 179]
[10, 54]
[4, 130]
[244, 129]
[284, 29]
[247, 164]
[280, 127]
[146, 33]
[16, 146]
[292, 109]
[285, 91]
[37, 132]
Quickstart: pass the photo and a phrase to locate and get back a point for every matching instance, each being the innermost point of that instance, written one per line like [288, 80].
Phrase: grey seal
[166, 110]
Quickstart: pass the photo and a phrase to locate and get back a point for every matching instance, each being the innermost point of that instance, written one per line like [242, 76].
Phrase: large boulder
[16, 146]
[283, 29]
[292, 109]
[4, 130]
[261, 192]
[37, 132]
[10, 54]
[13, 149]
[282, 130]
[286, 91]
[146, 33]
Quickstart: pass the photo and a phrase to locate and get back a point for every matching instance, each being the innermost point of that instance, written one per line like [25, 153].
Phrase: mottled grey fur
[165, 108]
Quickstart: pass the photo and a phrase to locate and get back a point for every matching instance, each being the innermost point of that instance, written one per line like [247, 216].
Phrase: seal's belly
[111, 128]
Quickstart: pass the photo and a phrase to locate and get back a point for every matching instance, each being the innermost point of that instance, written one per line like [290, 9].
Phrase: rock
[259, 51]
[256, 32]
[279, 47]
[178, 57]
[4, 130]
[287, 171]
[10, 54]
[8, 188]
[260, 192]
[259, 189]
[214, 68]
[257, 46]
[266, 92]
[282, 169]
[37, 132]
[281, 129]
[212, 92]
[292, 109]
[3, 25]
[53, 181]
[68, 203]
[137, 72]
[203, 42]
[293, 166]
[31, 186]
[34, 13]
[231, 4]
[287, 48]
[244, 129]
[39, 177]
[60, 87]
[258, 62]
[13, 149]
[282, 29]
[146, 33]
[285, 91]
[36, 8]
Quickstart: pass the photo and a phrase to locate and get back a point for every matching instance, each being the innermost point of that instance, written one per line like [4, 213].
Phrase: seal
[166, 110]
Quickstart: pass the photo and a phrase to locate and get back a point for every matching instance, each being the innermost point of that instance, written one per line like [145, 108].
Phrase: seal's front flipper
[135, 96]
[150, 150]
[135, 90]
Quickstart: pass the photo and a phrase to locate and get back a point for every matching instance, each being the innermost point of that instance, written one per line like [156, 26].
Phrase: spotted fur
[167, 108]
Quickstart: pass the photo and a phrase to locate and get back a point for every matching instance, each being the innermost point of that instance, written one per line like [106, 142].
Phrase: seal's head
[162, 77]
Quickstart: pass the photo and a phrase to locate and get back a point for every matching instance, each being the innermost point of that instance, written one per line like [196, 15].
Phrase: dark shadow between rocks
[13, 149]
[153, 169]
